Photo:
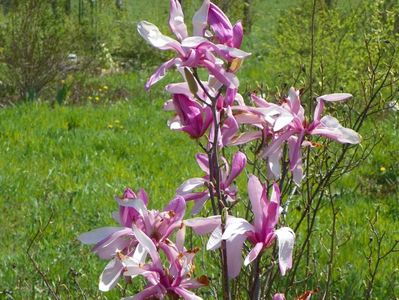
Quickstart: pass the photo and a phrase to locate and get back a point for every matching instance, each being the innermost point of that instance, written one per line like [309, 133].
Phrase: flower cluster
[210, 110]
[144, 233]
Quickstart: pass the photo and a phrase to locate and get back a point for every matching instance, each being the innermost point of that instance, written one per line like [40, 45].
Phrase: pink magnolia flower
[261, 234]
[191, 116]
[174, 281]
[113, 241]
[195, 51]
[188, 189]
[299, 128]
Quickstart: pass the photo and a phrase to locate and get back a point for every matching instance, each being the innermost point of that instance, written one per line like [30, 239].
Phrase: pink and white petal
[203, 225]
[234, 255]
[238, 164]
[236, 226]
[335, 97]
[169, 106]
[286, 240]
[227, 52]
[238, 33]
[148, 293]
[110, 276]
[160, 73]
[274, 163]
[140, 254]
[176, 20]
[255, 192]
[142, 194]
[180, 237]
[153, 36]
[276, 143]
[294, 101]
[245, 137]
[253, 254]
[186, 294]
[279, 296]
[190, 185]
[215, 239]
[199, 204]
[137, 204]
[331, 128]
[97, 235]
[178, 206]
[318, 110]
[229, 127]
[200, 19]
[295, 155]
[260, 102]
[226, 78]
[148, 245]
[203, 162]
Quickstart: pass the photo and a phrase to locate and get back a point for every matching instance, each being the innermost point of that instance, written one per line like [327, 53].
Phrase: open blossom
[188, 190]
[195, 51]
[286, 123]
[175, 281]
[261, 234]
[299, 128]
[111, 242]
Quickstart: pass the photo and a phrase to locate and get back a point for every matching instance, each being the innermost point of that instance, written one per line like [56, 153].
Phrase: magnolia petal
[140, 254]
[148, 245]
[203, 225]
[295, 155]
[200, 19]
[203, 162]
[273, 161]
[110, 276]
[178, 206]
[153, 36]
[199, 204]
[234, 255]
[253, 254]
[97, 235]
[238, 164]
[286, 240]
[190, 185]
[294, 101]
[236, 226]
[194, 41]
[245, 137]
[238, 33]
[318, 110]
[152, 291]
[255, 192]
[215, 239]
[226, 51]
[186, 294]
[229, 128]
[331, 128]
[137, 204]
[160, 73]
[176, 20]
[335, 97]
[278, 296]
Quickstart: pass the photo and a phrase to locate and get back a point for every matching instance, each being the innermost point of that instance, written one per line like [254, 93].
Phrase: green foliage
[35, 47]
